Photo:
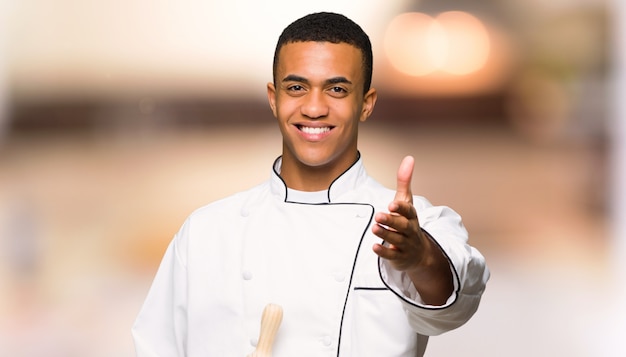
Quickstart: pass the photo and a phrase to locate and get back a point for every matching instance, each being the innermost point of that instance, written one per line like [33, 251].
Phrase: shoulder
[381, 194]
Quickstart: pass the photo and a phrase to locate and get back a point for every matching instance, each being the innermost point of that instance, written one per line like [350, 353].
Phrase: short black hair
[333, 28]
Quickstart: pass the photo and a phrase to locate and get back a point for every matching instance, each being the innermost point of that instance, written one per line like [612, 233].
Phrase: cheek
[285, 110]
[283, 115]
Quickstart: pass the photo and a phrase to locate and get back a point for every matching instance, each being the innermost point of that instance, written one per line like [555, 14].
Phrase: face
[318, 101]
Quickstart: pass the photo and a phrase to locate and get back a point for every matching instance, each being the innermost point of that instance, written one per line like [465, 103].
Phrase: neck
[301, 177]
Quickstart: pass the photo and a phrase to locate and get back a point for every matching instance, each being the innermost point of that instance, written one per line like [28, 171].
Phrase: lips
[314, 133]
[314, 130]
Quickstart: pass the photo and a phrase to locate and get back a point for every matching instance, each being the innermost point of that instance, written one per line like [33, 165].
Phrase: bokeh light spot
[454, 42]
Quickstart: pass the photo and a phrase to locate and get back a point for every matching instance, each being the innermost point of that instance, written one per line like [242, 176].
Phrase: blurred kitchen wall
[121, 117]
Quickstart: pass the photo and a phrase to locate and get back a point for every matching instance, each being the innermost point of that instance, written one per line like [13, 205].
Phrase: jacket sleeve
[469, 271]
[161, 326]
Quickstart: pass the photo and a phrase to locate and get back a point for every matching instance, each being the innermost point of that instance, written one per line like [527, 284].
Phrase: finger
[389, 252]
[391, 236]
[405, 174]
[403, 209]
[395, 222]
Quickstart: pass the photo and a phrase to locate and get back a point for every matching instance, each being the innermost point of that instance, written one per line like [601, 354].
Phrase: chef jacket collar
[354, 176]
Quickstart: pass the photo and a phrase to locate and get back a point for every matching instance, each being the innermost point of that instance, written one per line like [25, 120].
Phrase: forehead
[320, 58]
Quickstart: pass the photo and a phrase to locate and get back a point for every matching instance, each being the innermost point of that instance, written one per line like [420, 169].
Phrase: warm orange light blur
[467, 41]
[406, 43]
[454, 42]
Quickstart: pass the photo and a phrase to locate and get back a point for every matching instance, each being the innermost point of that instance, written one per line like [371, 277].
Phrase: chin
[314, 158]
[321, 160]
[314, 162]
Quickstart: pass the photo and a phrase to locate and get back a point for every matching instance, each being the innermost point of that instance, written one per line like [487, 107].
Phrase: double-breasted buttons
[326, 341]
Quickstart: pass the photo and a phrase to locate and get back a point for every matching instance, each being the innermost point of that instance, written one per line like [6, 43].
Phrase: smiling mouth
[314, 131]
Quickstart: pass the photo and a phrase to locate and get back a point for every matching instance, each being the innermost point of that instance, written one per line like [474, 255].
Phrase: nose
[314, 105]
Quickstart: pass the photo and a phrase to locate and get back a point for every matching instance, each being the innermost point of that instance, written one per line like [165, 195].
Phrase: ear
[271, 96]
[369, 101]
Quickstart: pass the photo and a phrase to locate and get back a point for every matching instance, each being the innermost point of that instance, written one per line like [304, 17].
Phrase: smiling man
[359, 269]
[319, 100]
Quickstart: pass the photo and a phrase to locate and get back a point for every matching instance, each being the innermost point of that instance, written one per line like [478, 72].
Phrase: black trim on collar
[358, 157]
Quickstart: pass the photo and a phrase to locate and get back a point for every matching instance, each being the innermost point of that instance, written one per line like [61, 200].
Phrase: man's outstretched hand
[407, 247]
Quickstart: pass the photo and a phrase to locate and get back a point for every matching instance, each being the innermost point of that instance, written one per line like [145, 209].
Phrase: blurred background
[118, 118]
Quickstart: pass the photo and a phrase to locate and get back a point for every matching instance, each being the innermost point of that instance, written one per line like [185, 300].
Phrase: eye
[295, 88]
[338, 92]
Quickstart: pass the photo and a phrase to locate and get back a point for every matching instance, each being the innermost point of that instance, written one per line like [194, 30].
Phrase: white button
[245, 212]
[246, 274]
[254, 342]
[339, 277]
[362, 214]
[326, 341]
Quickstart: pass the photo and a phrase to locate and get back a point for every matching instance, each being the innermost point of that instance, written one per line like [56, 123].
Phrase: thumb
[405, 174]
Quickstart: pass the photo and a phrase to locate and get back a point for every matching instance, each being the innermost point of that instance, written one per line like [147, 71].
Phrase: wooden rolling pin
[270, 321]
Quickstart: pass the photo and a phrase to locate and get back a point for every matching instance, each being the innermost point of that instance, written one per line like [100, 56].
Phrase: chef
[358, 269]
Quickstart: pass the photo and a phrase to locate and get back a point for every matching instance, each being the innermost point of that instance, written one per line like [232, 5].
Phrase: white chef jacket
[234, 256]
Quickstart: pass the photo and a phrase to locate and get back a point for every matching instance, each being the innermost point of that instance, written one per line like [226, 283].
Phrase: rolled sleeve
[469, 271]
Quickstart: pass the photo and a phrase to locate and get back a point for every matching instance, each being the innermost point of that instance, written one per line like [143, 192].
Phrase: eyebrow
[334, 80]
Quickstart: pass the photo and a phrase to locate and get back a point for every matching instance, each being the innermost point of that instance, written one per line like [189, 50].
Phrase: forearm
[433, 279]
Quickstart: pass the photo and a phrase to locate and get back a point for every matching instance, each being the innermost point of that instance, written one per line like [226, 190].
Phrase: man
[359, 269]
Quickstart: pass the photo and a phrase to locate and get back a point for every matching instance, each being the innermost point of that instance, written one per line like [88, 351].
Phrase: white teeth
[310, 130]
